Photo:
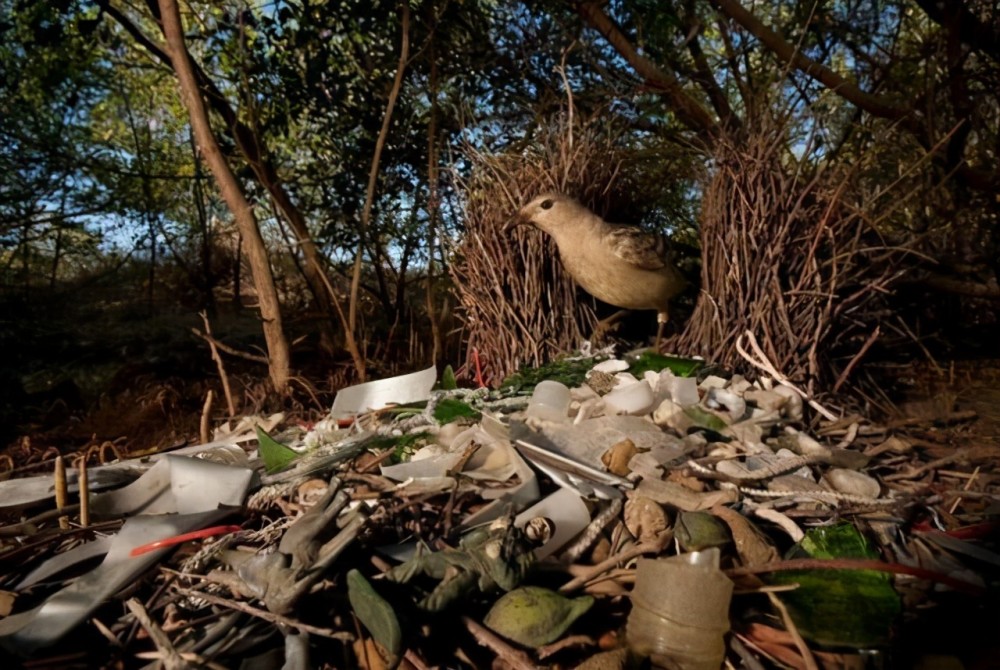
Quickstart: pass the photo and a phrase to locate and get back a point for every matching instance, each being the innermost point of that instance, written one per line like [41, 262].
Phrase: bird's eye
[546, 204]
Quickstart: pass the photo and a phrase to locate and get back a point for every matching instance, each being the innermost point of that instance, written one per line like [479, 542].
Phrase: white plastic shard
[25, 632]
[189, 494]
[177, 485]
[402, 389]
[16, 493]
[566, 509]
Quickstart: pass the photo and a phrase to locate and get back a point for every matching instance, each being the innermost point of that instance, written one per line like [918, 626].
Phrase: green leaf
[274, 454]
[449, 410]
[376, 614]
[652, 361]
[448, 380]
[853, 608]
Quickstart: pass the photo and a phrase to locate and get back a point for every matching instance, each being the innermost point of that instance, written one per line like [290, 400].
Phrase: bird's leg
[661, 320]
[607, 325]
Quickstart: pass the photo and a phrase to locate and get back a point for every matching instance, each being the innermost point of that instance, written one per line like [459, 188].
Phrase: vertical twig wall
[789, 256]
[518, 304]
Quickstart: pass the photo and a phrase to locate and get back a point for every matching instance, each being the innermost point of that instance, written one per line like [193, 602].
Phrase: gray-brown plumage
[621, 265]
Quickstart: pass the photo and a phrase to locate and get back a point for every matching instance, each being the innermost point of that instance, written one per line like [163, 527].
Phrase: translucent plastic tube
[680, 611]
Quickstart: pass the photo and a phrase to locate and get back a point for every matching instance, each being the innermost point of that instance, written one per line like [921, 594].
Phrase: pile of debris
[592, 514]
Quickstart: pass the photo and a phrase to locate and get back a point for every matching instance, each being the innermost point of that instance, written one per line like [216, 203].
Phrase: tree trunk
[267, 295]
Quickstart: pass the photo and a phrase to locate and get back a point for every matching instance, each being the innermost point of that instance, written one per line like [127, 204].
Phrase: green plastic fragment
[274, 454]
[449, 410]
[654, 362]
[839, 608]
[376, 614]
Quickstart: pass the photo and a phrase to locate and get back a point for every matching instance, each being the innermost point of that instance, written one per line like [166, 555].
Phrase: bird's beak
[516, 221]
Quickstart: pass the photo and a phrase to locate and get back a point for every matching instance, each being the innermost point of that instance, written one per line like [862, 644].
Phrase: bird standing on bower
[621, 265]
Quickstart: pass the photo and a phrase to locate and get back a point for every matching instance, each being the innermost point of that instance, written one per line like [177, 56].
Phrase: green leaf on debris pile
[448, 380]
[376, 614]
[853, 608]
[449, 410]
[571, 372]
[654, 362]
[274, 454]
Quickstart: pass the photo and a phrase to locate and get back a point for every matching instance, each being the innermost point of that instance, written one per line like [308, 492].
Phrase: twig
[968, 484]
[654, 546]
[214, 347]
[84, 486]
[264, 614]
[515, 657]
[225, 348]
[808, 660]
[857, 357]
[565, 643]
[764, 364]
[168, 655]
[857, 564]
[62, 494]
[206, 412]
[366, 212]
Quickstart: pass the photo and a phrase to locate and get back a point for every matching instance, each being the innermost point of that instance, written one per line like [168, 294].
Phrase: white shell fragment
[712, 382]
[611, 366]
[718, 398]
[852, 482]
[766, 400]
[793, 410]
[636, 399]
[682, 390]
[671, 415]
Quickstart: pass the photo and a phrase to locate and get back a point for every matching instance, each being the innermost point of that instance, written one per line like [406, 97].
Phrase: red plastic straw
[180, 539]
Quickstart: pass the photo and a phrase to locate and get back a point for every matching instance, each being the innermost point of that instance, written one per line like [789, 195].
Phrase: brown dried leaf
[751, 545]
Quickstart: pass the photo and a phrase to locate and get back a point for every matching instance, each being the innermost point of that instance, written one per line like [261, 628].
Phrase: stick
[61, 492]
[206, 411]
[171, 659]
[764, 364]
[484, 636]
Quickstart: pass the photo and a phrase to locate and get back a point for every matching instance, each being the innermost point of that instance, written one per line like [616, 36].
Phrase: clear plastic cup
[549, 401]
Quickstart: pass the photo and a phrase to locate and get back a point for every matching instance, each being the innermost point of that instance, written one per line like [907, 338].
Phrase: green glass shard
[839, 608]
[654, 362]
[274, 454]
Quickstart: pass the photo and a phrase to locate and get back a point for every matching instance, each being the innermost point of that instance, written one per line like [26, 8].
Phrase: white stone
[611, 366]
[671, 415]
[712, 382]
[636, 399]
[852, 482]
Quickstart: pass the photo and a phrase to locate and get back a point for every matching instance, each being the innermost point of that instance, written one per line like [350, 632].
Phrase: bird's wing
[645, 250]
